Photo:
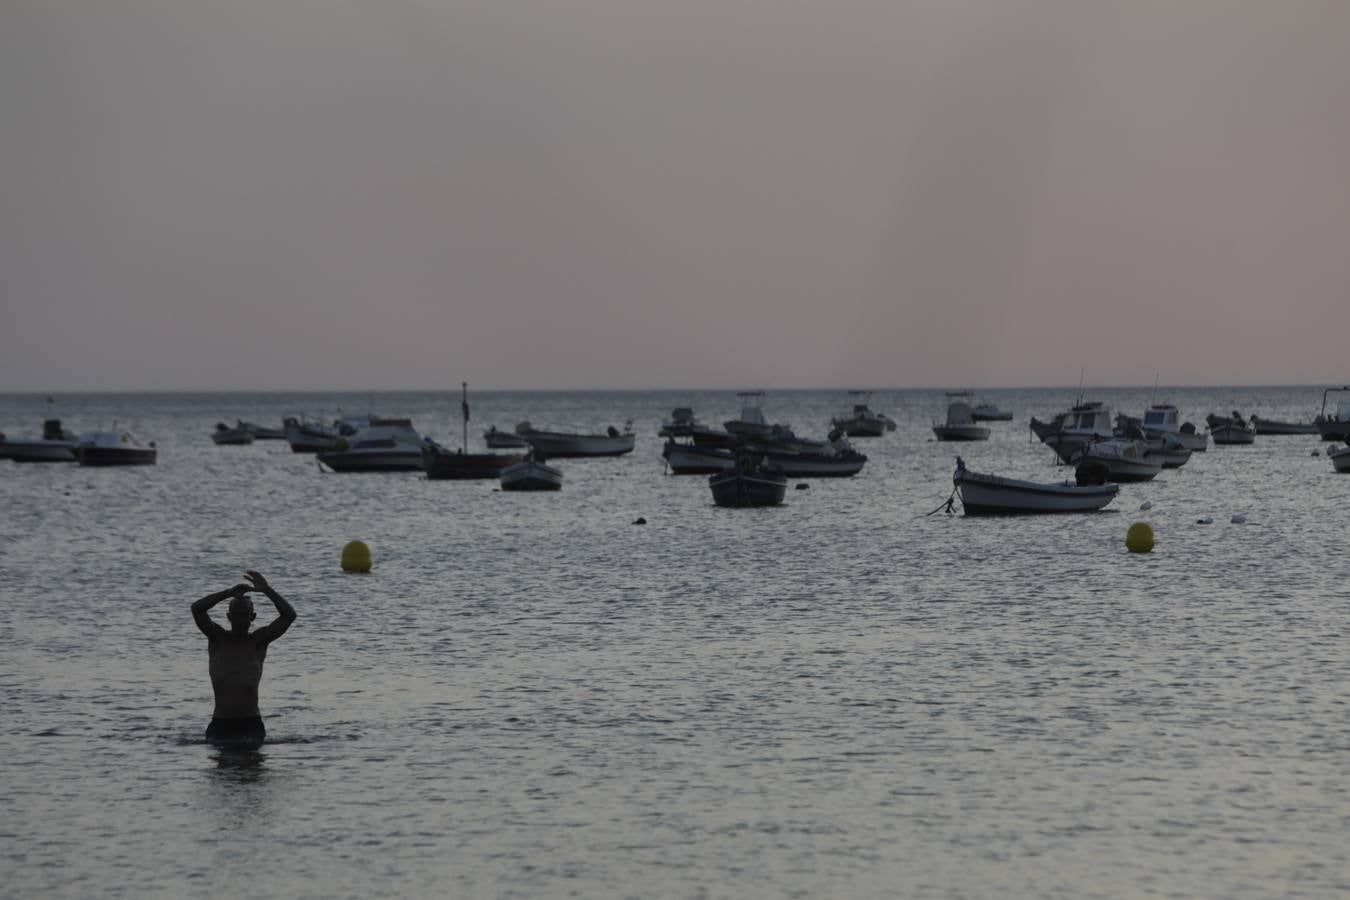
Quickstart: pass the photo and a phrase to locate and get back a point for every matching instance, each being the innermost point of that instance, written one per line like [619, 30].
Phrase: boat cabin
[1162, 418]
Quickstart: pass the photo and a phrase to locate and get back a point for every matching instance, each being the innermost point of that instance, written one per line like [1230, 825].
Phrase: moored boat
[387, 445]
[960, 425]
[260, 432]
[55, 445]
[503, 440]
[113, 448]
[751, 423]
[989, 412]
[224, 435]
[1163, 420]
[1071, 431]
[309, 437]
[694, 459]
[748, 483]
[531, 474]
[861, 421]
[1275, 427]
[680, 424]
[1340, 459]
[567, 444]
[991, 495]
[1115, 460]
[1335, 427]
[442, 463]
[1230, 430]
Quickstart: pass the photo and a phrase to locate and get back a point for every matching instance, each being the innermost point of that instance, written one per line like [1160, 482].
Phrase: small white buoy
[1239, 519]
[1205, 520]
[1147, 504]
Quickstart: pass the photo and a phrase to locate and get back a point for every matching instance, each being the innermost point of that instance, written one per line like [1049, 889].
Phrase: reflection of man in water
[237, 659]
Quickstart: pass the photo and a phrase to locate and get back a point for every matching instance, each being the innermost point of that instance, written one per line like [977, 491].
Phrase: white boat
[260, 432]
[566, 444]
[693, 459]
[1116, 459]
[1069, 432]
[751, 423]
[530, 475]
[1165, 446]
[680, 424]
[960, 425]
[861, 421]
[387, 445]
[113, 448]
[1340, 459]
[1164, 420]
[990, 495]
[55, 445]
[224, 435]
[1335, 427]
[989, 412]
[1230, 430]
[504, 440]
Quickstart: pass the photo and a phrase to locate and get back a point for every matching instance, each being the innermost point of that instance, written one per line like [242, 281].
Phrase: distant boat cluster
[749, 459]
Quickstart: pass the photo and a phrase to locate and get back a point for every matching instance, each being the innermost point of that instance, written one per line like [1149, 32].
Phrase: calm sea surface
[531, 696]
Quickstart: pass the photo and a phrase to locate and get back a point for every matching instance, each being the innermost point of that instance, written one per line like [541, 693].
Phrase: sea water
[531, 696]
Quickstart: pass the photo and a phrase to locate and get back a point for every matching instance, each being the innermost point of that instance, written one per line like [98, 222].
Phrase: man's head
[240, 613]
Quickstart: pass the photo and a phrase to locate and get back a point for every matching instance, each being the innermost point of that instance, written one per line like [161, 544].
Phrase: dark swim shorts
[244, 731]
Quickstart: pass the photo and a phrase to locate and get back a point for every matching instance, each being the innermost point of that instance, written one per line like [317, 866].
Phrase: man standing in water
[237, 659]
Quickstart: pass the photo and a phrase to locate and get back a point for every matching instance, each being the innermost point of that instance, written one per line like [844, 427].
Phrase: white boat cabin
[1162, 417]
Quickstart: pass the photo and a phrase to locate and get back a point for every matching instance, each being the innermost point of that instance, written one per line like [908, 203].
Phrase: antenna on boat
[1079, 401]
[464, 408]
[1155, 389]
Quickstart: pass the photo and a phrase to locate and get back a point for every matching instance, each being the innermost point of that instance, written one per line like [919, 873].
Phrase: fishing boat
[261, 433]
[309, 437]
[1335, 427]
[568, 444]
[442, 463]
[1275, 427]
[1116, 459]
[1230, 430]
[113, 448]
[1340, 459]
[531, 474]
[387, 445]
[1071, 431]
[680, 424]
[497, 439]
[861, 421]
[748, 483]
[224, 435]
[991, 495]
[751, 423]
[989, 412]
[694, 459]
[960, 424]
[1163, 420]
[55, 445]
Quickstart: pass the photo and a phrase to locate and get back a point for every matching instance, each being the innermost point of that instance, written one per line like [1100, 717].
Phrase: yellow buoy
[1139, 539]
[356, 557]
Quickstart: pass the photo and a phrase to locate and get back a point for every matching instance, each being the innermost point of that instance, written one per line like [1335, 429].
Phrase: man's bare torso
[236, 668]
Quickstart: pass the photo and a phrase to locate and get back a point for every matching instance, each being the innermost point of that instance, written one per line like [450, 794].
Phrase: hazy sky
[675, 193]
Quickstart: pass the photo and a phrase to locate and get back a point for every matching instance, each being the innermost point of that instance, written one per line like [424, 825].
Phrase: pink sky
[610, 194]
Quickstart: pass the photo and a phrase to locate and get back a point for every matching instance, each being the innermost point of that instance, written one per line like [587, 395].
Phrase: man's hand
[259, 583]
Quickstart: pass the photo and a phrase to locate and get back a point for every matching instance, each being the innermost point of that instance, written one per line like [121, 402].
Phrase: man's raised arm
[200, 607]
[285, 613]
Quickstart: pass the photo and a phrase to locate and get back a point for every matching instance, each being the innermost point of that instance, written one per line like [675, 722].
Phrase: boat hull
[1272, 427]
[961, 432]
[1340, 459]
[233, 437]
[309, 438]
[357, 461]
[555, 444]
[38, 451]
[116, 456]
[1333, 429]
[686, 459]
[1231, 435]
[809, 465]
[757, 488]
[503, 440]
[530, 476]
[441, 465]
[990, 495]
[990, 414]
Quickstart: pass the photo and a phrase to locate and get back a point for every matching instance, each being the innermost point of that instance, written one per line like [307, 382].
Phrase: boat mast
[464, 408]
